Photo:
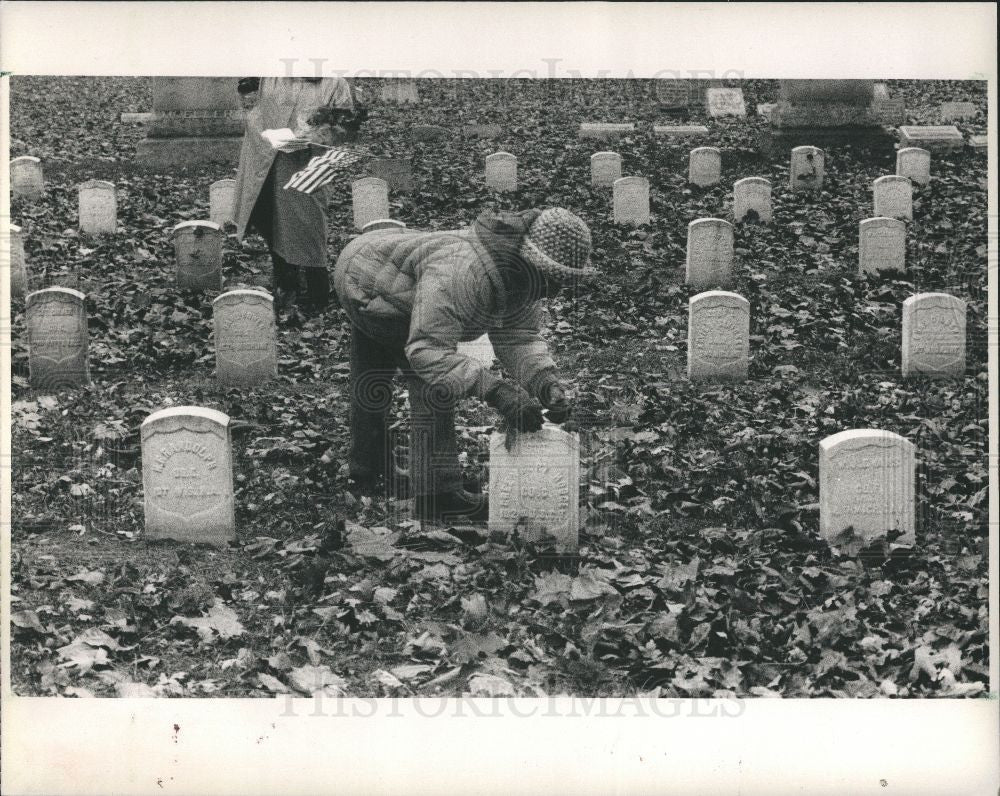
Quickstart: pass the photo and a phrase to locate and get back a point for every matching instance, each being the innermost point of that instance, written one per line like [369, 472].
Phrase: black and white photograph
[330, 383]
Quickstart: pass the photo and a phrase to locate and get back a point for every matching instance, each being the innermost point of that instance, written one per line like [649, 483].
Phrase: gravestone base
[187, 152]
[778, 142]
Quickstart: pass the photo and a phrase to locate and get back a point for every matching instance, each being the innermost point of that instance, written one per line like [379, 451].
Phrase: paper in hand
[283, 140]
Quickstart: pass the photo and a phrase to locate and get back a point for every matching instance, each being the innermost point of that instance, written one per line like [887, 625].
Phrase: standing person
[412, 297]
[323, 111]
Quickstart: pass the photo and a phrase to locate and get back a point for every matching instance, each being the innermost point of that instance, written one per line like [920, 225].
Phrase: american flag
[322, 170]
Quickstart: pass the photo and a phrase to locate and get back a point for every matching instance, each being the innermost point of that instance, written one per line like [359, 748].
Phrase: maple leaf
[220, 622]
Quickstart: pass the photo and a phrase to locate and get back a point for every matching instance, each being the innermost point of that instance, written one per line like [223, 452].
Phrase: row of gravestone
[866, 482]
[933, 332]
[246, 351]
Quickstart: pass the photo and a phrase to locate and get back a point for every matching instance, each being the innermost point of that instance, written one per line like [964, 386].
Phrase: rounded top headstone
[197, 225]
[57, 291]
[25, 159]
[865, 435]
[104, 184]
[215, 416]
[244, 292]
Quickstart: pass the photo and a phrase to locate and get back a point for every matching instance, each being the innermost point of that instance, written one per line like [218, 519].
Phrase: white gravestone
[370, 197]
[765, 109]
[198, 251]
[631, 200]
[605, 129]
[979, 143]
[722, 102]
[98, 204]
[18, 267]
[956, 111]
[893, 197]
[222, 202]
[705, 166]
[480, 349]
[881, 245]
[914, 163]
[246, 348]
[866, 481]
[501, 171]
[605, 168]
[383, 225]
[807, 169]
[26, 180]
[752, 194]
[187, 475]
[537, 485]
[57, 338]
[718, 336]
[933, 335]
[709, 253]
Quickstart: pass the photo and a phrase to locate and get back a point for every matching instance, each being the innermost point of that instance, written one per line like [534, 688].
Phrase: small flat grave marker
[631, 200]
[893, 197]
[807, 169]
[956, 111]
[482, 131]
[866, 482]
[705, 166]
[979, 143]
[914, 163]
[98, 208]
[752, 195]
[933, 335]
[371, 200]
[605, 168]
[535, 486]
[931, 137]
[198, 251]
[246, 348]
[679, 130]
[400, 92]
[501, 171]
[709, 253]
[187, 475]
[605, 129]
[222, 202]
[725, 102]
[428, 132]
[718, 336]
[881, 245]
[26, 179]
[57, 338]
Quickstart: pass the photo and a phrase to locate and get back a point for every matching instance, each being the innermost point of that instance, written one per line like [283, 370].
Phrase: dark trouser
[434, 465]
[285, 276]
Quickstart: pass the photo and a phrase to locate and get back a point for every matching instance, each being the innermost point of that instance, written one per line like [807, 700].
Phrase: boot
[458, 507]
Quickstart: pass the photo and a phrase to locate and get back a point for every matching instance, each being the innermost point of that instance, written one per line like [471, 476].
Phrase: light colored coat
[286, 102]
[431, 290]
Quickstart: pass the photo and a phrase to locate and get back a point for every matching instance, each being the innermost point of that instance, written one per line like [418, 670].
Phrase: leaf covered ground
[700, 571]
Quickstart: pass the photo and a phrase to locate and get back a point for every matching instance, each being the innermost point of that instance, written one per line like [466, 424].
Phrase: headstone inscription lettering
[536, 486]
[718, 336]
[866, 482]
[57, 338]
[246, 349]
[723, 102]
[187, 475]
[933, 335]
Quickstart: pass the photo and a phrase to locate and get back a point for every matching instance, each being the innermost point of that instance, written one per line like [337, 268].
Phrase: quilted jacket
[431, 290]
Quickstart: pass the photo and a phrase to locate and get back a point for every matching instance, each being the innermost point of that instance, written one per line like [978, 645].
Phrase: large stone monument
[826, 113]
[196, 120]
